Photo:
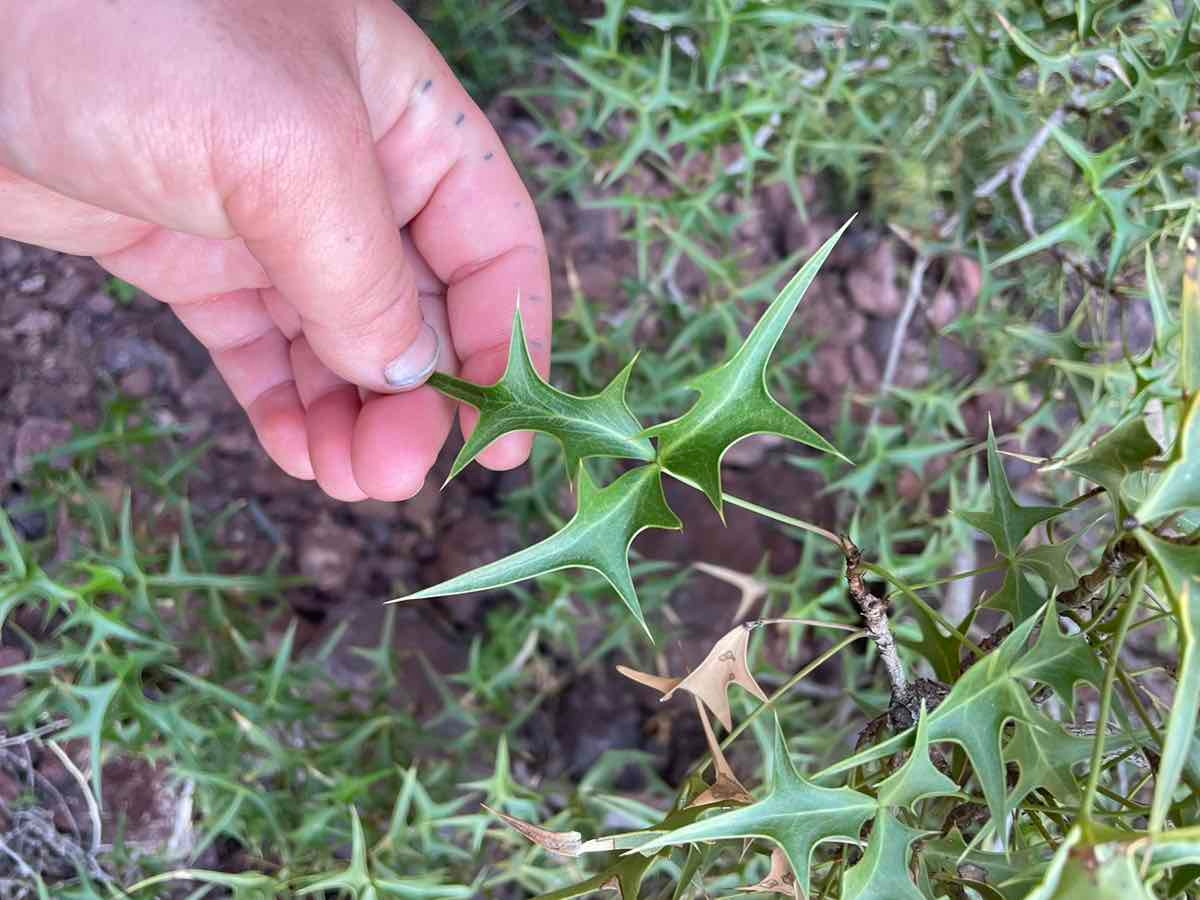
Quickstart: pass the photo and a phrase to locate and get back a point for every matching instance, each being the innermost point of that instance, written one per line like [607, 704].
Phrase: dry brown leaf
[561, 843]
[780, 880]
[726, 788]
[725, 665]
[658, 682]
[751, 589]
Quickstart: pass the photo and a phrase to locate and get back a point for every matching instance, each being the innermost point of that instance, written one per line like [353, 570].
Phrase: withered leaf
[561, 843]
[780, 880]
[725, 664]
[725, 788]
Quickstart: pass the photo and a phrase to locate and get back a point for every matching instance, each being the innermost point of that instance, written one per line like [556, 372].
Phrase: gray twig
[1016, 170]
[874, 613]
[915, 282]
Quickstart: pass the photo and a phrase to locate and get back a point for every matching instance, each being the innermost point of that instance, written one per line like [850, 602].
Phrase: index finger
[470, 216]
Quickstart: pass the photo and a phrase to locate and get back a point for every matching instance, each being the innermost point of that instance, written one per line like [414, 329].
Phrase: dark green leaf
[599, 425]
[1006, 523]
[734, 401]
[597, 537]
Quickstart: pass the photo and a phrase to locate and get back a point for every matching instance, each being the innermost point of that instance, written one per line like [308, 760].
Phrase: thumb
[320, 223]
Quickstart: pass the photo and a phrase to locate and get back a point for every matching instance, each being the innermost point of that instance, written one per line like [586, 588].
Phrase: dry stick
[916, 280]
[1019, 167]
[874, 613]
[93, 806]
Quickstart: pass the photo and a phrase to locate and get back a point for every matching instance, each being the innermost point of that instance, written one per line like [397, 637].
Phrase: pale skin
[308, 186]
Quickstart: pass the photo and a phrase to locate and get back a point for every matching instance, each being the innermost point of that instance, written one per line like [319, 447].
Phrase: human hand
[308, 186]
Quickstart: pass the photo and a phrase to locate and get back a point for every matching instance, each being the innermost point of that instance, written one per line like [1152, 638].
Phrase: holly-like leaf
[598, 537]
[1178, 487]
[796, 815]
[1121, 451]
[726, 664]
[918, 778]
[734, 401]
[599, 425]
[1006, 522]
[882, 873]
[1046, 755]
[1017, 595]
[992, 693]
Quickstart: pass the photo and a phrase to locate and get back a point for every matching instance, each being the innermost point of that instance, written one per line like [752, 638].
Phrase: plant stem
[786, 520]
[1106, 693]
[916, 600]
[874, 613]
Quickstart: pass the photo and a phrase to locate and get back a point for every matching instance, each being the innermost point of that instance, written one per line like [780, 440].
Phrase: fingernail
[414, 366]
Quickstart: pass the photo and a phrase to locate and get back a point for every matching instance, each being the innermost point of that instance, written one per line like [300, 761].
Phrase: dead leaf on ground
[561, 843]
[780, 880]
[751, 589]
[725, 665]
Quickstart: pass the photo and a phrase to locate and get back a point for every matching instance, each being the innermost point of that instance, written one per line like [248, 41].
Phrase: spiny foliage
[734, 403]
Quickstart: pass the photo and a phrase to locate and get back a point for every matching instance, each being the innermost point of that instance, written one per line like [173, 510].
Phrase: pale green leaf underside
[1178, 488]
[734, 401]
[599, 425]
[1179, 567]
[597, 537]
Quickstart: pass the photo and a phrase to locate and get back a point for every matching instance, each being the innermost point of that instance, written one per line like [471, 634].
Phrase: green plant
[999, 735]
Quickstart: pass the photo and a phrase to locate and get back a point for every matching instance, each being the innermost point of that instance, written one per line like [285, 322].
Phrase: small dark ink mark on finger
[427, 85]
[516, 204]
[537, 346]
[488, 156]
[536, 298]
[459, 120]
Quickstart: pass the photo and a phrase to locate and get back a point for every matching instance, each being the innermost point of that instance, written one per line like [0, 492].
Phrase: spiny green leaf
[918, 778]
[1046, 755]
[1178, 487]
[993, 692]
[1122, 450]
[597, 537]
[1006, 523]
[734, 401]
[599, 425]
[1179, 566]
[1017, 595]
[795, 814]
[882, 873]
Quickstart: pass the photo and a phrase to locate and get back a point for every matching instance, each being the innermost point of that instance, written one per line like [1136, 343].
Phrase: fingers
[252, 355]
[382, 447]
[318, 219]
[467, 210]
